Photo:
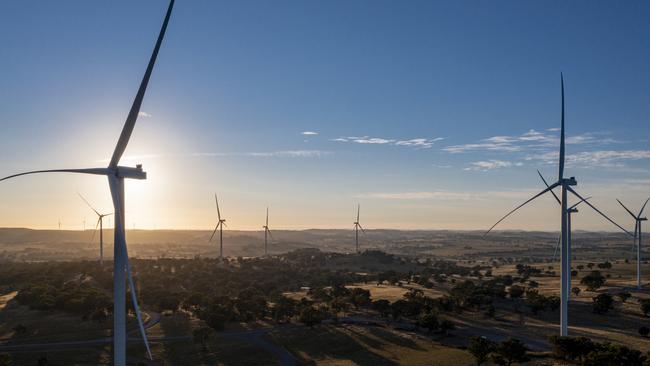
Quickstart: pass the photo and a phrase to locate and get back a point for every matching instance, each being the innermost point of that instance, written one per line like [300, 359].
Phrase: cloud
[423, 143]
[594, 159]
[269, 154]
[443, 195]
[143, 114]
[309, 133]
[490, 165]
[530, 140]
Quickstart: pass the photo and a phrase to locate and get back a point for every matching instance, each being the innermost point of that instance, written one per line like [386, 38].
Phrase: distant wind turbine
[220, 225]
[565, 184]
[267, 233]
[116, 175]
[357, 226]
[100, 223]
[637, 236]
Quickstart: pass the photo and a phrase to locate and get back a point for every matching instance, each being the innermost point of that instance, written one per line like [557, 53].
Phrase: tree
[516, 292]
[382, 307]
[480, 348]
[593, 280]
[590, 265]
[644, 331]
[509, 351]
[623, 296]
[580, 267]
[603, 303]
[446, 325]
[5, 359]
[572, 348]
[429, 321]
[310, 316]
[645, 306]
[576, 291]
[202, 335]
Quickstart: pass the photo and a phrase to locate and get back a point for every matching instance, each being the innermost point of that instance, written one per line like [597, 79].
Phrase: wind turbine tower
[267, 233]
[220, 225]
[637, 238]
[116, 175]
[357, 226]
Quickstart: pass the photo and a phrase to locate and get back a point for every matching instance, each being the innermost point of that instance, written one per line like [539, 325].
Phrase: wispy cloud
[491, 165]
[530, 140]
[309, 133]
[144, 114]
[594, 159]
[443, 195]
[268, 154]
[423, 143]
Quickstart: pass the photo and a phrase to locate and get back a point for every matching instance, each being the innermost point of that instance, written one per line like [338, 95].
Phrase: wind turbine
[100, 223]
[267, 232]
[116, 175]
[565, 184]
[571, 210]
[219, 226]
[637, 234]
[358, 226]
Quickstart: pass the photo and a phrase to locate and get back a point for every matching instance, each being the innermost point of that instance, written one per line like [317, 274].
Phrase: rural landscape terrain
[408, 298]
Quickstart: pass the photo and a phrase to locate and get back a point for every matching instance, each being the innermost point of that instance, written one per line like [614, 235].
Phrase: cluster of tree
[537, 302]
[586, 352]
[527, 271]
[594, 280]
[502, 353]
[77, 298]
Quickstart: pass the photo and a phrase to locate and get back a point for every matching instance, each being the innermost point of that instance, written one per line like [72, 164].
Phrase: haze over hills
[36, 245]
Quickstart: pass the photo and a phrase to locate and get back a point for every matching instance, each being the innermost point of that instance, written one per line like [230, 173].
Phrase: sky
[430, 114]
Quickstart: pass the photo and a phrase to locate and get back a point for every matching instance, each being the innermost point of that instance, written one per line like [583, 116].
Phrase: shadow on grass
[332, 343]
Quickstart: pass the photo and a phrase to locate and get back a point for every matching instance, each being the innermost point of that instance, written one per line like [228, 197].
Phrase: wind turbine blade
[358, 210]
[559, 239]
[135, 108]
[597, 210]
[522, 205]
[267, 216]
[561, 165]
[95, 231]
[97, 171]
[224, 224]
[217, 201]
[626, 209]
[215, 230]
[135, 305]
[554, 195]
[361, 227]
[643, 207]
[269, 231]
[91, 207]
[579, 202]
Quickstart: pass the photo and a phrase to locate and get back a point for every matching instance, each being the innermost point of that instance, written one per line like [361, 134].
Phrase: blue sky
[431, 114]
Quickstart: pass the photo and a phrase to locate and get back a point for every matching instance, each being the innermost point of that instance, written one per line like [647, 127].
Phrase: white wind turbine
[219, 226]
[116, 175]
[637, 236]
[357, 226]
[565, 184]
[100, 224]
[267, 233]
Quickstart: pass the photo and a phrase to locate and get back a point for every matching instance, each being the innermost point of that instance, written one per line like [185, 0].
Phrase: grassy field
[328, 345]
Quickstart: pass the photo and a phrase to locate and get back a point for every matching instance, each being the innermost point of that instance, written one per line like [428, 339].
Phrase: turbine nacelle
[130, 172]
[569, 181]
